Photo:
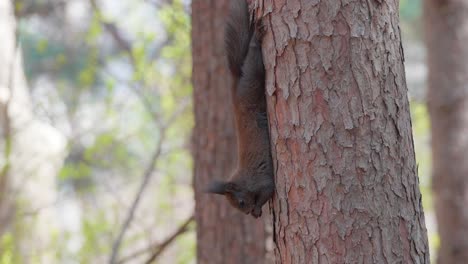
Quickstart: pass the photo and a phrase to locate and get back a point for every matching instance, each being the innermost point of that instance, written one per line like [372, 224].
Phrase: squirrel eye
[241, 203]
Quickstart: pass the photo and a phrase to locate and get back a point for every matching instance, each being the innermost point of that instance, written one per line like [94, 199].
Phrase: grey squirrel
[252, 184]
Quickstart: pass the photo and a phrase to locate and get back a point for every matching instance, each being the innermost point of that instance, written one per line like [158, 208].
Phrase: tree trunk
[31, 154]
[7, 60]
[446, 25]
[224, 235]
[346, 178]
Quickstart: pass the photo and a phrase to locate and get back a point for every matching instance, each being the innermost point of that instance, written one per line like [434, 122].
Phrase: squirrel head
[237, 196]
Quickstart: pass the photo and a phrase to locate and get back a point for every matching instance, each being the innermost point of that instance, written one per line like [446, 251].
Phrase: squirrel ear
[220, 187]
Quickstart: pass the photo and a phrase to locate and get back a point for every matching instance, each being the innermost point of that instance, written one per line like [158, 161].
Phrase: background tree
[26, 166]
[224, 235]
[446, 38]
[118, 94]
[347, 186]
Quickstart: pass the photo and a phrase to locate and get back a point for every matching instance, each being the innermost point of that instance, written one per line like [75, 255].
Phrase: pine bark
[224, 235]
[346, 177]
[446, 24]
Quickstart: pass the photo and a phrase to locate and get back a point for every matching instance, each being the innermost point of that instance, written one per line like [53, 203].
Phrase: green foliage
[94, 30]
[420, 117]
[410, 20]
[108, 152]
[94, 230]
[177, 24]
[10, 252]
[141, 62]
[6, 249]
[434, 245]
[74, 65]
[75, 171]
[188, 243]
[410, 9]
[151, 87]
[421, 130]
[19, 6]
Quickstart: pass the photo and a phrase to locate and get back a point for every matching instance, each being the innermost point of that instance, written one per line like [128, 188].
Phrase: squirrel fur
[252, 183]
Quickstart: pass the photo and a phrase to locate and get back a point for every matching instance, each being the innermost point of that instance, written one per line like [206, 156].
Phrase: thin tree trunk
[446, 25]
[346, 180]
[8, 53]
[224, 235]
[31, 153]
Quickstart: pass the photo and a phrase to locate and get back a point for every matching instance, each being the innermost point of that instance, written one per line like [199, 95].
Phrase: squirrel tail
[238, 32]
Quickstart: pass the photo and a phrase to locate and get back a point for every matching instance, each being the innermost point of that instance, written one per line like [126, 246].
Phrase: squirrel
[252, 183]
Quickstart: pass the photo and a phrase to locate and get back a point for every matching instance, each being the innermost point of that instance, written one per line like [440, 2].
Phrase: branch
[122, 43]
[41, 8]
[146, 177]
[166, 243]
[157, 249]
[131, 212]
[126, 47]
[114, 32]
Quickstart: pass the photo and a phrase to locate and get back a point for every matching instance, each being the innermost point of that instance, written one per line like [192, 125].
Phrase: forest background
[104, 163]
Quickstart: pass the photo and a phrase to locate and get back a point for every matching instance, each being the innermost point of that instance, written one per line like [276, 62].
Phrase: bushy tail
[237, 36]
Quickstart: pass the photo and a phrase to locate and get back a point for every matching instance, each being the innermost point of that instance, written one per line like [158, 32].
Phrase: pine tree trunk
[346, 178]
[446, 25]
[223, 234]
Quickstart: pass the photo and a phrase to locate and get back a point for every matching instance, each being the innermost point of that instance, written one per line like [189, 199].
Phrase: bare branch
[146, 177]
[114, 32]
[157, 249]
[126, 46]
[123, 43]
[38, 8]
[166, 243]
[131, 212]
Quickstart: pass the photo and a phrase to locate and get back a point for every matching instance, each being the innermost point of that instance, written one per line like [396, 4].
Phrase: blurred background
[100, 159]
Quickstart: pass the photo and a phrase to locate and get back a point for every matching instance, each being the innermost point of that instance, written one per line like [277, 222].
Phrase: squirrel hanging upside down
[252, 183]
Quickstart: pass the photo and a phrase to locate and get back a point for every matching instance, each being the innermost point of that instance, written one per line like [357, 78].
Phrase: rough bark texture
[347, 186]
[224, 235]
[447, 41]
